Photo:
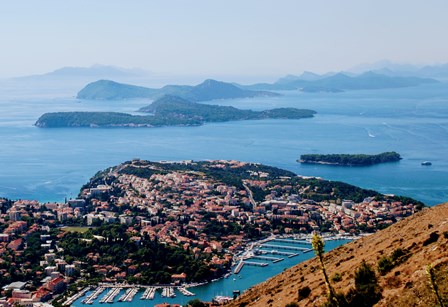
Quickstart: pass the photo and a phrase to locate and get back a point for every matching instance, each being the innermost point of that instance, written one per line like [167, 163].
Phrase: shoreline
[247, 248]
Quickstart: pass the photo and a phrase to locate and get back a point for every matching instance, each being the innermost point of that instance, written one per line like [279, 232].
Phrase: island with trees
[167, 111]
[350, 159]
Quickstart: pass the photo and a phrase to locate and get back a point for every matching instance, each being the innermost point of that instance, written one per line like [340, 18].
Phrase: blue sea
[52, 164]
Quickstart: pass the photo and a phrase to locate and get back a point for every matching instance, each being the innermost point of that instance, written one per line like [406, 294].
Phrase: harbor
[269, 262]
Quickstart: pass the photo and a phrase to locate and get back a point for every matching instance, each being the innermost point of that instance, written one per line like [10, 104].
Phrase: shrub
[398, 256]
[336, 277]
[292, 304]
[433, 237]
[367, 291]
[304, 292]
[385, 265]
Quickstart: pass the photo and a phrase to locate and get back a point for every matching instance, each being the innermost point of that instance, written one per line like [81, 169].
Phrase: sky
[220, 37]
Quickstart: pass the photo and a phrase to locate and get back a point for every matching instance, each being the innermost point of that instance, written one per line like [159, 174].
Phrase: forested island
[350, 159]
[167, 111]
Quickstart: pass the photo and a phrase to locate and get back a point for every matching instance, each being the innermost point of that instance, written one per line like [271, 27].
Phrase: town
[205, 213]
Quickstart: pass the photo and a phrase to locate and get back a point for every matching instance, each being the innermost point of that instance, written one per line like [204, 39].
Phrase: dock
[238, 267]
[273, 259]
[281, 253]
[110, 296]
[168, 292]
[92, 297]
[287, 247]
[185, 292]
[128, 296]
[149, 293]
[262, 264]
[293, 241]
[73, 298]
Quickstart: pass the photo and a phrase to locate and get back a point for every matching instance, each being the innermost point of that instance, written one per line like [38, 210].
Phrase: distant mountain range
[95, 71]
[439, 72]
[207, 90]
[310, 82]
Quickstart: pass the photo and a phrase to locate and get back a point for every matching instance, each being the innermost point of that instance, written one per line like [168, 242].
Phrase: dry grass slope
[424, 236]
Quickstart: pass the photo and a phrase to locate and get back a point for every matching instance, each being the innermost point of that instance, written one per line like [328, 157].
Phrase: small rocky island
[167, 111]
[350, 159]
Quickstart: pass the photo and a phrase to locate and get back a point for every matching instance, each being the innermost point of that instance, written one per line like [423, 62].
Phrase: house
[56, 285]
[178, 278]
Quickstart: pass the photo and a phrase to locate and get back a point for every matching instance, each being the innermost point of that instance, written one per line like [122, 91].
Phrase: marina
[205, 291]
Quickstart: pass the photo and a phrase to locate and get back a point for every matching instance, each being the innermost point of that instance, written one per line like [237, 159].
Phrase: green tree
[367, 291]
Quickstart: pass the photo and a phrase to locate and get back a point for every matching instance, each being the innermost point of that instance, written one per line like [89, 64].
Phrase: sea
[52, 164]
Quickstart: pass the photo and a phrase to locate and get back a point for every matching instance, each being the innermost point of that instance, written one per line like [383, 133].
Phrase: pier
[238, 267]
[185, 292]
[296, 248]
[273, 259]
[128, 296]
[281, 253]
[149, 293]
[110, 296]
[73, 298]
[168, 292]
[92, 297]
[263, 264]
[293, 241]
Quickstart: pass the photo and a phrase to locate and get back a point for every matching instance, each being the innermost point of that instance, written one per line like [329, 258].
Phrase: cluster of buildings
[49, 277]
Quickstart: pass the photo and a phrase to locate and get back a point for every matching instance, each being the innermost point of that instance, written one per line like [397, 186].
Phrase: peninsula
[350, 159]
[167, 111]
[151, 223]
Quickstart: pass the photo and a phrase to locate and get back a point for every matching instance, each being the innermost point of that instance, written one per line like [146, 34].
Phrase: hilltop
[207, 90]
[410, 244]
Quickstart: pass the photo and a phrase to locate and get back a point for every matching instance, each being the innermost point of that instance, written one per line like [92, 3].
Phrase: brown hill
[423, 240]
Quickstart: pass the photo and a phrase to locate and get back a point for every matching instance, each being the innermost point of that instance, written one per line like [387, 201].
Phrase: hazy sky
[228, 37]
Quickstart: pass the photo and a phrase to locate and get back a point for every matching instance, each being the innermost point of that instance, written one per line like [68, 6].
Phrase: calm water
[248, 277]
[51, 164]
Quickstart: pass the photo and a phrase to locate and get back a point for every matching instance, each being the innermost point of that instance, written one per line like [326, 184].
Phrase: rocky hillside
[399, 255]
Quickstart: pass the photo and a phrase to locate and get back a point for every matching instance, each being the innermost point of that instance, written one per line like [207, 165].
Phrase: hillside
[423, 240]
[208, 90]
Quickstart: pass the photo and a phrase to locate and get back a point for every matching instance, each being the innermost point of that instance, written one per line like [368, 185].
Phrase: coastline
[328, 237]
